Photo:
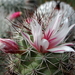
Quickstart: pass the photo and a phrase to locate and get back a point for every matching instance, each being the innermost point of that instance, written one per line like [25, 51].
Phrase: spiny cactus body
[42, 36]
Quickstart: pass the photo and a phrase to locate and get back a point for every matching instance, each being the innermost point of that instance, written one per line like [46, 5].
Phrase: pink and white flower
[50, 39]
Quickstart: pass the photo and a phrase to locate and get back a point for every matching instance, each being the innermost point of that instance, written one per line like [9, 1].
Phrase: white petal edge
[36, 32]
[61, 49]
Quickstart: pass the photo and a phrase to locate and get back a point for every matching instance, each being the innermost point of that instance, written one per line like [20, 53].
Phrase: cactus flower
[14, 15]
[9, 46]
[50, 39]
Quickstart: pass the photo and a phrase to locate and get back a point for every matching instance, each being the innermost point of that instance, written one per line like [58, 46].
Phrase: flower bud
[9, 46]
[14, 15]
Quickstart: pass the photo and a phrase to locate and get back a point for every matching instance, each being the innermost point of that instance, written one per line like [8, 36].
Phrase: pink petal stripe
[48, 35]
[67, 44]
[60, 36]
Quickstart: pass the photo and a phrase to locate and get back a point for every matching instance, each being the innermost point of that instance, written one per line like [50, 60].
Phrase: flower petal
[61, 34]
[36, 32]
[45, 44]
[27, 37]
[67, 44]
[61, 49]
[54, 24]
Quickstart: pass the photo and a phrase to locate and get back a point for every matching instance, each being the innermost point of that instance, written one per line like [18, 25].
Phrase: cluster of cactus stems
[27, 58]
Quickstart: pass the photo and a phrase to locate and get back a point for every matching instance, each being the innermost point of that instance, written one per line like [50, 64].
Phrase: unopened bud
[9, 46]
[14, 15]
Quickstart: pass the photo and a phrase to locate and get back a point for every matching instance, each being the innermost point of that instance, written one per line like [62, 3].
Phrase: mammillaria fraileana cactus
[45, 53]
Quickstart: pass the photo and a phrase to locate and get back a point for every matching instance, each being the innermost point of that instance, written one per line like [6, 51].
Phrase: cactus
[32, 63]
[42, 57]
